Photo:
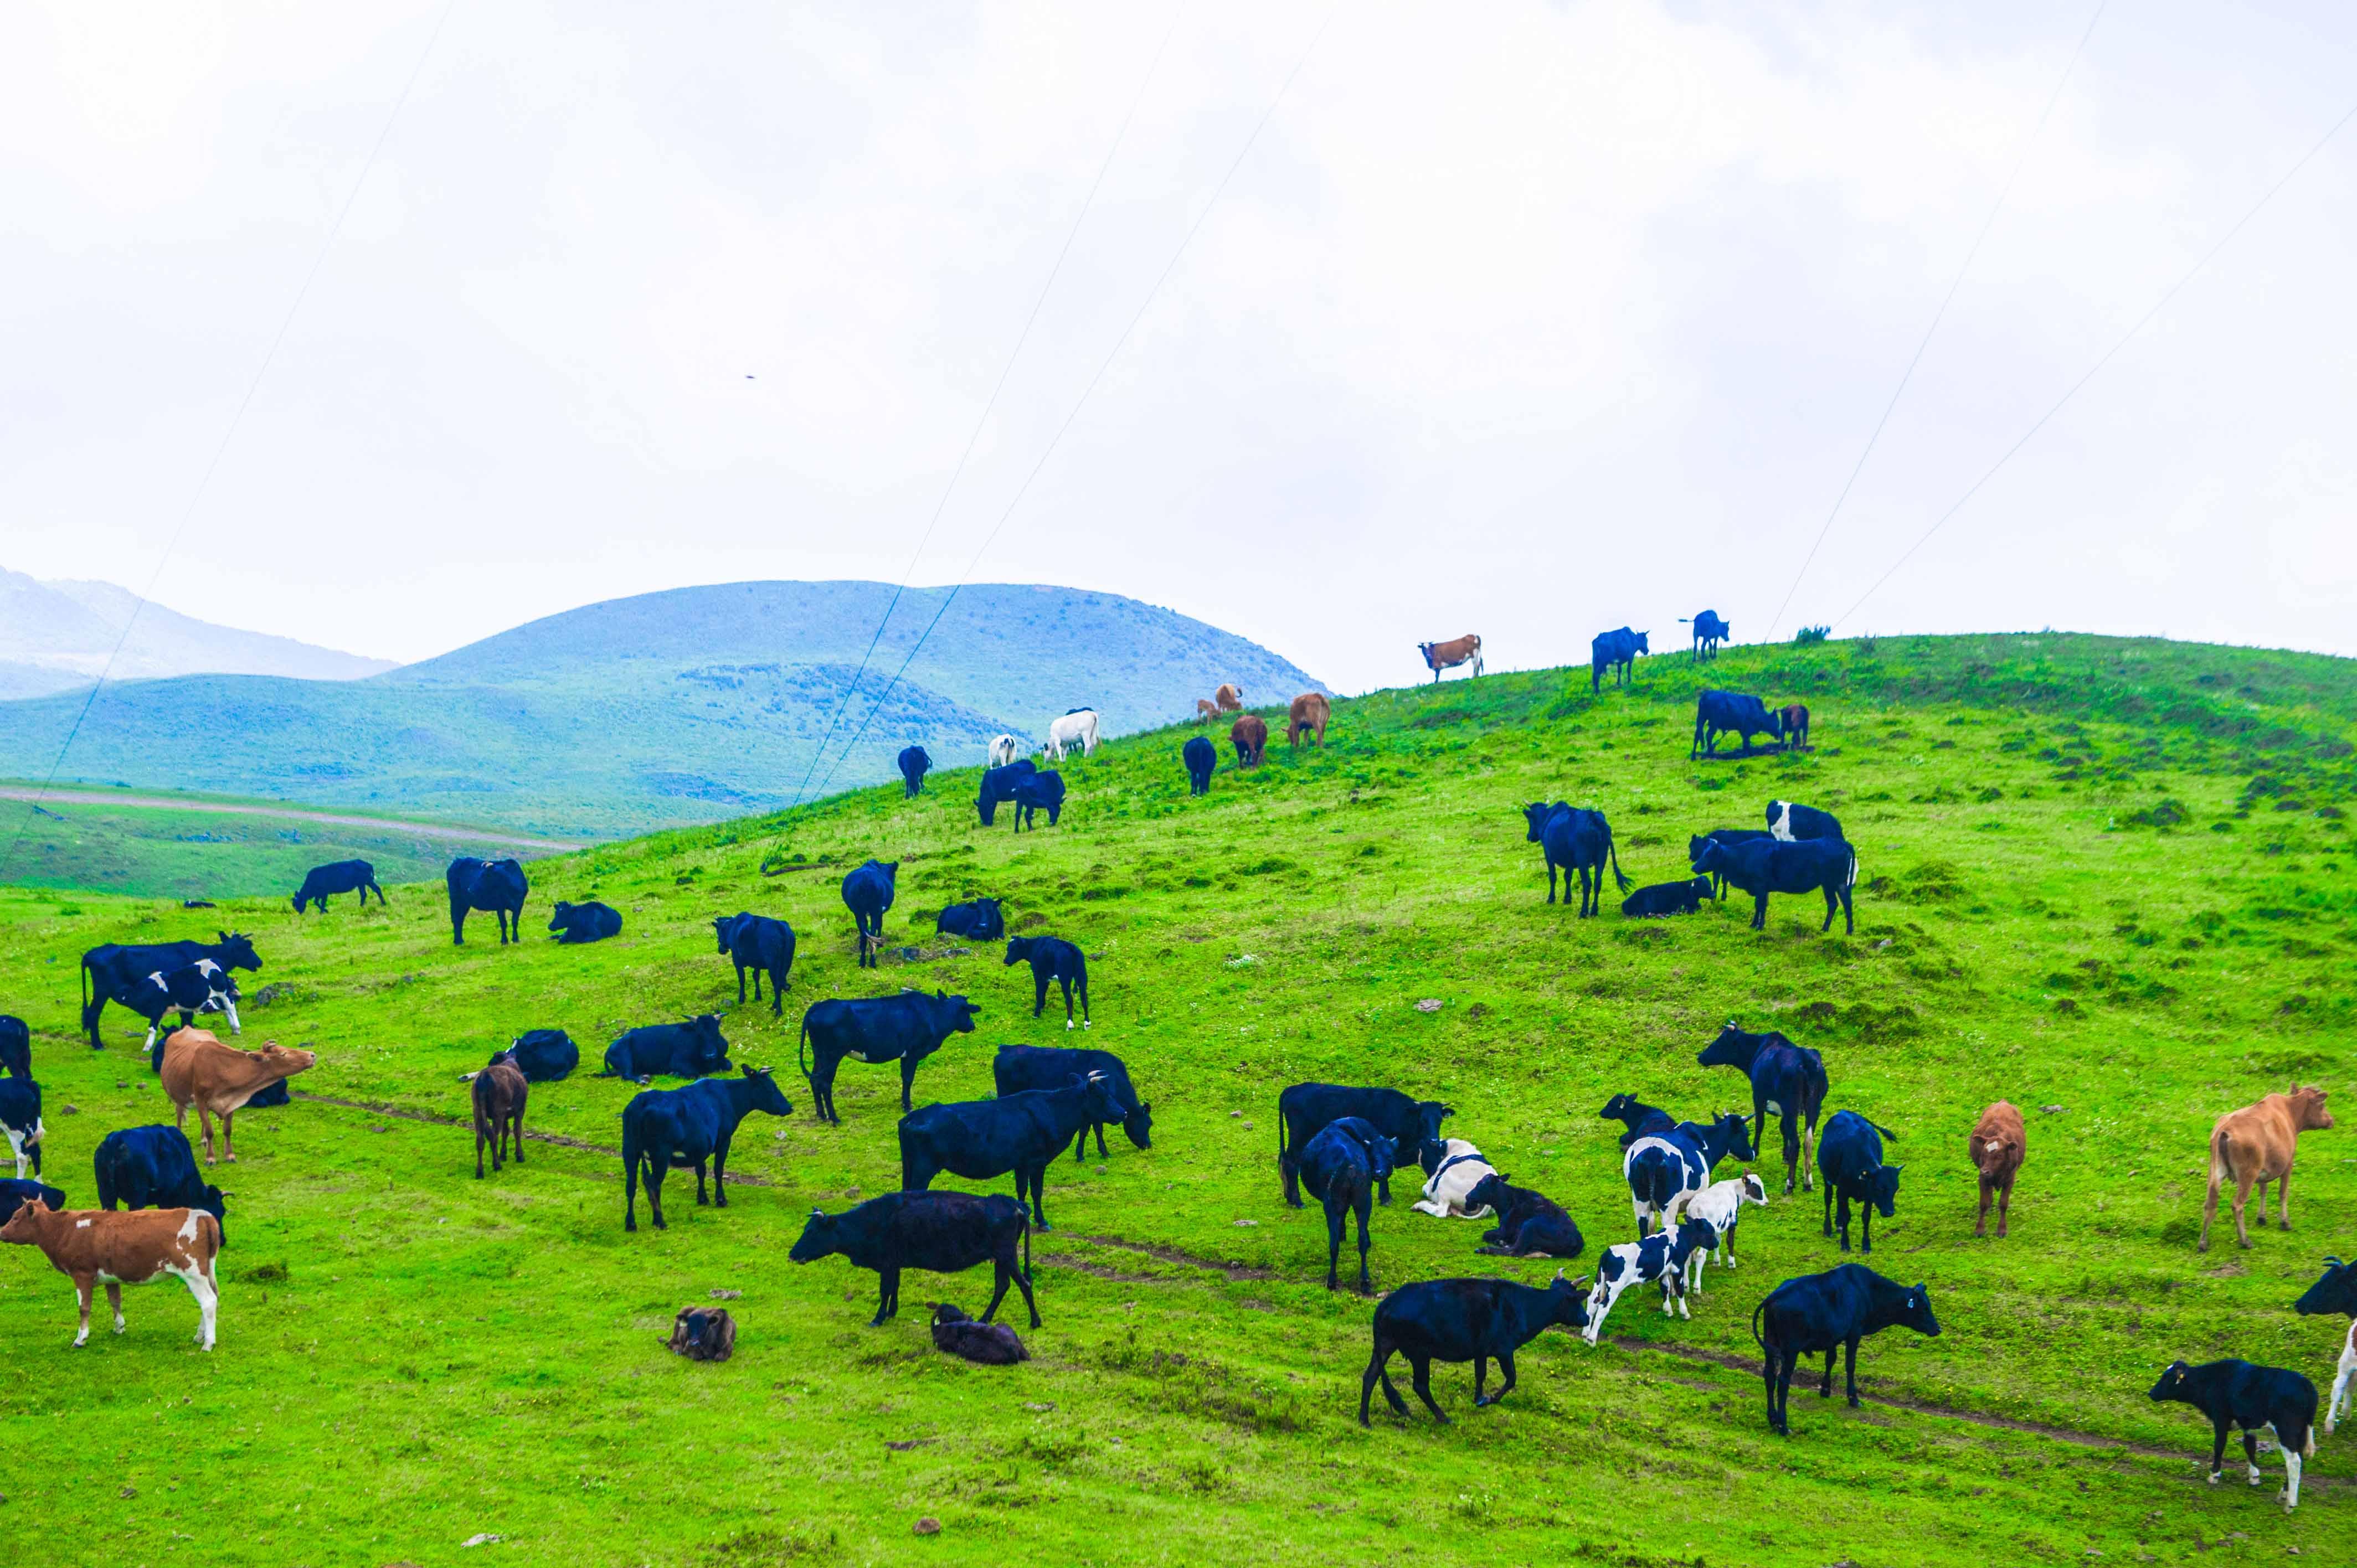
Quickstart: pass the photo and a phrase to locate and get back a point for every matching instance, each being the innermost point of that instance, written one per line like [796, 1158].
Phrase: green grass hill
[2109, 881]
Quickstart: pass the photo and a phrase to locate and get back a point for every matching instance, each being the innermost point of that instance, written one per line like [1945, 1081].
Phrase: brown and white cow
[218, 1079]
[1229, 698]
[2254, 1145]
[1310, 716]
[1997, 1148]
[1450, 654]
[96, 1246]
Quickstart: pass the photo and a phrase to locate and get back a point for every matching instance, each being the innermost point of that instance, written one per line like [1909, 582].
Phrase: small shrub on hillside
[1810, 636]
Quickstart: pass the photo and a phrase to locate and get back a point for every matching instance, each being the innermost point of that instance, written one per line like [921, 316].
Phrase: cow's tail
[1756, 1311]
[1853, 869]
[1881, 1129]
[1612, 850]
[802, 1048]
[2221, 1161]
[1027, 1249]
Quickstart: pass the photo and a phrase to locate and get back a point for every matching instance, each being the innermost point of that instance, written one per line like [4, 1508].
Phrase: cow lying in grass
[1530, 1224]
[2269, 1399]
[1665, 898]
[1449, 1181]
[1463, 1320]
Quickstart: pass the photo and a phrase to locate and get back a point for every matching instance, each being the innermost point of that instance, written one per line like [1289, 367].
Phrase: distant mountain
[683, 706]
[57, 636]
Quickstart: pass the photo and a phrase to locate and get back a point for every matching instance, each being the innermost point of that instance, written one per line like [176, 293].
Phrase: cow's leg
[1832, 904]
[2250, 1455]
[2283, 1204]
[1980, 1226]
[1101, 1143]
[1038, 993]
[2218, 1430]
[1760, 911]
[907, 1081]
[1849, 912]
[208, 1294]
[1365, 1207]
[228, 1145]
[2242, 1200]
[479, 1130]
[1423, 1383]
[2291, 1475]
[1768, 1377]
[1791, 1132]
[1334, 1218]
[204, 1127]
[230, 1007]
[776, 994]
[1826, 1388]
[740, 983]
[1849, 1353]
[658, 1165]
[1829, 1209]
[2004, 1205]
[1023, 1283]
[1841, 1220]
[1066, 982]
[720, 1174]
[888, 1292]
[84, 1286]
[700, 1199]
[115, 1304]
[1865, 1226]
[1003, 1270]
[2340, 1382]
[1039, 1195]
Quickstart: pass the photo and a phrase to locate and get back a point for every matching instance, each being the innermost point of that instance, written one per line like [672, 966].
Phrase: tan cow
[2254, 1145]
[96, 1246]
[1310, 713]
[1205, 709]
[1997, 1148]
[218, 1079]
[1229, 698]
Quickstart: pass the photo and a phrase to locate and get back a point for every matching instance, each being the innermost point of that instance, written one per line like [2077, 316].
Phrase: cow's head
[2170, 1387]
[1915, 1313]
[561, 917]
[1734, 1129]
[1429, 1115]
[24, 1226]
[1535, 820]
[1103, 1104]
[987, 916]
[767, 1095]
[955, 1014]
[1139, 1126]
[1568, 1301]
[1489, 1192]
[1733, 1047]
[705, 1028]
[1699, 886]
[817, 1241]
[1640, 643]
[2308, 1111]
[1625, 1108]
[1752, 1190]
[2335, 1292]
[1019, 950]
[1881, 1189]
[724, 927]
[283, 1062]
[237, 950]
[1703, 854]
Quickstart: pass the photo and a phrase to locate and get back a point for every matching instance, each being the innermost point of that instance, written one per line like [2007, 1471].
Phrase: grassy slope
[443, 1357]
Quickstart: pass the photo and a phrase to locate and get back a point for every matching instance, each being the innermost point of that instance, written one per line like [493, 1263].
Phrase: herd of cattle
[1340, 1145]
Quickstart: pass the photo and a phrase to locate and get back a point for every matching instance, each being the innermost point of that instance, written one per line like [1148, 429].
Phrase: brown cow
[1229, 697]
[1250, 736]
[1205, 709]
[218, 1079]
[2254, 1145]
[1795, 722]
[91, 1246]
[499, 1094]
[1997, 1148]
[1310, 713]
[1450, 654]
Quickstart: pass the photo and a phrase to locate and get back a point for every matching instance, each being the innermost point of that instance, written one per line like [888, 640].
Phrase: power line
[1171, 265]
[2020, 163]
[2142, 321]
[204, 480]
[1008, 369]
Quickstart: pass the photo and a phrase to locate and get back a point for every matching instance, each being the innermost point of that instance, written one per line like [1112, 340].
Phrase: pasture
[2111, 878]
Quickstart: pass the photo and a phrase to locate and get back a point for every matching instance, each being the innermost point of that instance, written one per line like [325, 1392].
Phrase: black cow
[673, 1129]
[203, 986]
[978, 921]
[15, 1194]
[16, 1046]
[914, 764]
[1020, 1134]
[2257, 1399]
[1530, 1224]
[1202, 759]
[1053, 961]
[998, 786]
[1849, 1157]
[1729, 838]
[1666, 898]
[1340, 1166]
[1812, 866]
[108, 968]
[1709, 631]
[154, 1168]
[1829, 1312]
[1463, 1320]
[1019, 1068]
[906, 1028]
[1617, 651]
[1789, 822]
[543, 1055]
[1306, 1108]
[268, 1097]
[942, 1232]
[337, 877]
[867, 893]
[765, 946]
[690, 1049]
[494, 886]
[20, 1121]
[1641, 1119]
[1786, 1079]
[1580, 842]
[1040, 792]
[2334, 1291]
[589, 922]
[1730, 712]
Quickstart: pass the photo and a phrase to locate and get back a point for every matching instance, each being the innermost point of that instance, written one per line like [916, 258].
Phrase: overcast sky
[1531, 320]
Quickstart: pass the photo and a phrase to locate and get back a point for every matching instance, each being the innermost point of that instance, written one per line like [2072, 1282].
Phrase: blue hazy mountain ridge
[682, 706]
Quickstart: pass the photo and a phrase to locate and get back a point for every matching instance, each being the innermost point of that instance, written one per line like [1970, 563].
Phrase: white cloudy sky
[1524, 319]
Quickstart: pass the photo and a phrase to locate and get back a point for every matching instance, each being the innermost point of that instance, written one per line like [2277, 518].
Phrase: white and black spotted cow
[1452, 1179]
[203, 986]
[1666, 1170]
[1719, 1207]
[1791, 823]
[1658, 1259]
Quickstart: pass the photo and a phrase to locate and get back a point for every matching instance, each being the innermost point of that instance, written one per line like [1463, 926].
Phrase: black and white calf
[203, 986]
[2270, 1399]
[1666, 1170]
[1719, 1207]
[1658, 1259]
[2335, 1291]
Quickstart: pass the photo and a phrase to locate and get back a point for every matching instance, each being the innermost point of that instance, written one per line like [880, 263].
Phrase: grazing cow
[1787, 1081]
[1206, 710]
[1709, 631]
[1829, 1312]
[1309, 715]
[1812, 866]
[984, 1344]
[92, 1247]
[15, 1194]
[589, 922]
[1718, 1207]
[998, 787]
[1003, 749]
[1249, 736]
[2269, 1399]
[906, 1028]
[337, 877]
[203, 986]
[16, 1046]
[1730, 837]
[676, 1129]
[703, 1334]
[2255, 1145]
[941, 1232]
[1020, 1134]
[1658, 1259]
[915, 763]
[1038, 792]
[1229, 698]
[1018, 1070]
[1449, 655]
[21, 1119]
[154, 1168]
[1793, 720]
[108, 968]
[978, 921]
[219, 1079]
[1530, 1224]
[1617, 651]
[1078, 728]
[1463, 1320]
[1730, 712]
[690, 1048]
[1340, 1166]
[1412, 1125]
[1997, 1149]
[1665, 898]
[1849, 1157]
[1641, 1119]
[2335, 1291]
[500, 1092]
[1053, 961]
[761, 944]
[1790, 822]
[1202, 759]
[867, 893]
[1449, 1181]
[1665, 1170]
[495, 887]
[543, 1055]
[1581, 843]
